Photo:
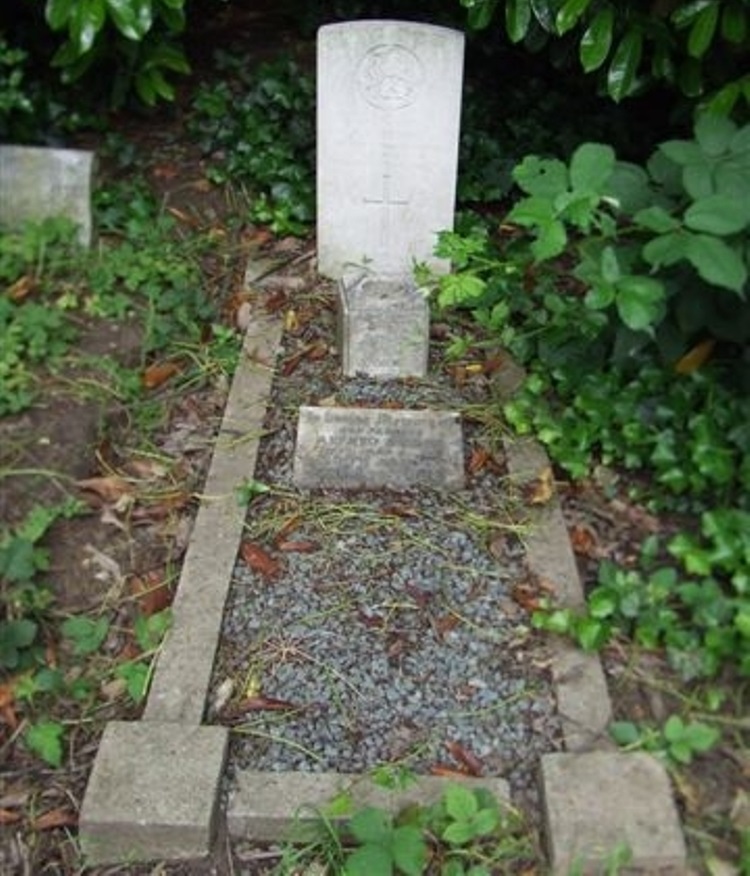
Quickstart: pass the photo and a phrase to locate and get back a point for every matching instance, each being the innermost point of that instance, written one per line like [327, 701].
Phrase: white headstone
[38, 183]
[389, 104]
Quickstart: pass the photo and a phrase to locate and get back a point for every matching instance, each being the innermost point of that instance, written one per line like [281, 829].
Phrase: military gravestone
[38, 183]
[389, 104]
[389, 99]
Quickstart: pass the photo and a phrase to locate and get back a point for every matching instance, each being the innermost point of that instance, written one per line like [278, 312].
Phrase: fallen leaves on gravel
[302, 546]
[471, 764]
[54, 818]
[316, 350]
[259, 560]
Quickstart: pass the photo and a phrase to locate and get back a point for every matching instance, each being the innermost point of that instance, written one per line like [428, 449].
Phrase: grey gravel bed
[380, 627]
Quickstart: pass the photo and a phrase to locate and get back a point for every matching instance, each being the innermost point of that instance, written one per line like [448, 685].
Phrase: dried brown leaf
[158, 373]
[152, 591]
[298, 547]
[22, 288]
[468, 760]
[10, 816]
[259, 560]
[55, 818]
[540, 490]
[110, 488]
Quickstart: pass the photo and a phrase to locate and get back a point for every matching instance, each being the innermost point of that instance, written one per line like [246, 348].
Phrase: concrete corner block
[269, 807]
[599, 802]
[153, 793]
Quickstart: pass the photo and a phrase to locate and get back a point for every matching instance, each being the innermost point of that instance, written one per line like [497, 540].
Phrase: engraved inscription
[389, 77]
[356, 447]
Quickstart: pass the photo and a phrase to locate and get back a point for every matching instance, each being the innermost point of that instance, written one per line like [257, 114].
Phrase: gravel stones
[383, 626]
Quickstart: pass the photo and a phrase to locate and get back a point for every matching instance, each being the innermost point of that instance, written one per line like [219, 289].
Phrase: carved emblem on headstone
[389, 77]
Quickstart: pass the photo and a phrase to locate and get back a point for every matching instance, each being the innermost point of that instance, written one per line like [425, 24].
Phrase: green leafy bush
[14, 97]
[137, 36]
[699, 46]
[699, 612]
[663, 251]
[260, 128]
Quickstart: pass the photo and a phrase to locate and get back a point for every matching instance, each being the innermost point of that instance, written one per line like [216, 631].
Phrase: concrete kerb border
[150, 797]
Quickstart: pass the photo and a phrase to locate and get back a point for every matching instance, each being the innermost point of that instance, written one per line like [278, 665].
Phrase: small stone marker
[370, 448]
[38, 183]
[384, 328]
[389, 105]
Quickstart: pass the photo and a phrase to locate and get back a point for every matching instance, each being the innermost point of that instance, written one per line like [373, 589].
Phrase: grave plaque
[389, 103]
[38, 183]
[383, 328]
[370, 448]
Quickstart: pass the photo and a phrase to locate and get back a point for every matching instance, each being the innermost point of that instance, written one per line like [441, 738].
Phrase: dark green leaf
[569, 14]
[686, 13]
[544, 12]
[460, 802]
[409, 850]
[703, 30]
[625, 733]
[371, 825]
[640, 301]
[624, 65]
[734, 23]
[714, 134]
[718, 214]
[86, 634]
[517, 19]
[717, 262]
[551, 241]
[596, 41]
[370, 860]
[543, 177]
[480, 13]
[45, 739]
[666, 250]
[656, 219]
[57, 13]
[591, 167]
[86, 20]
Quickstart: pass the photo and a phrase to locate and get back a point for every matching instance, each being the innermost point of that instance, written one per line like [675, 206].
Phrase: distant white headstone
[389, 104]
[38, 183]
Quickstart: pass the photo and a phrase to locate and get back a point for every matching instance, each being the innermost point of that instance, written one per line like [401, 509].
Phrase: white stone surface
[384, 328]
[37, 183]
[389, 104]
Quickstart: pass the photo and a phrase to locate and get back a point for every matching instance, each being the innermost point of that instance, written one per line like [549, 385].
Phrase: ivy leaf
[624, 66]
[45, 739]
[718, 214]
[86, 634]
[640, 301]
[716, 262]
[597, 40]
[517, 19]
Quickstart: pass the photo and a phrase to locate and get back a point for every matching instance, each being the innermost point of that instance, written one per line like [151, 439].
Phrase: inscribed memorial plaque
[389, 105]
[384, 328]
[370, 448]
[38, 183]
